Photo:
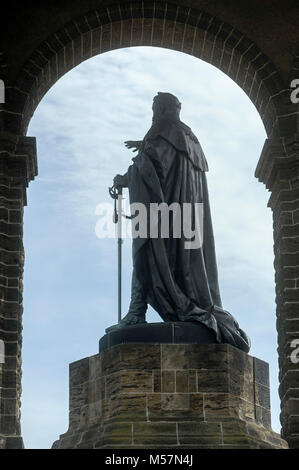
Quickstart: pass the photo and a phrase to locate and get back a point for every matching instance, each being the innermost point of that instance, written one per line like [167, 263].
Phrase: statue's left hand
[133, 144]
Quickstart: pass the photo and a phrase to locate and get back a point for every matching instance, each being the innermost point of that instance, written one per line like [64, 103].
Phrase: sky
[70, 276]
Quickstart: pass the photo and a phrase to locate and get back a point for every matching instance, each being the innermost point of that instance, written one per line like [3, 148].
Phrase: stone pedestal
[170, 396]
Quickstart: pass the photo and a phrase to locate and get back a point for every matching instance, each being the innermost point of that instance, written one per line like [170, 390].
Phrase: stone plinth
[164, 332]
[170, 396]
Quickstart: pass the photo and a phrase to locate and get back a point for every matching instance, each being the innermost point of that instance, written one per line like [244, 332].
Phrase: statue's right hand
[132, 144]
[118, 181]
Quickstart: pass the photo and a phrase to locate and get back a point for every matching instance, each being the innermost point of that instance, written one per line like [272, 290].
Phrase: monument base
[162, 332]
[167, 395]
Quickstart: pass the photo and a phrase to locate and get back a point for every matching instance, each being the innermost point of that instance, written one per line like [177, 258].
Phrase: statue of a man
[181, 284]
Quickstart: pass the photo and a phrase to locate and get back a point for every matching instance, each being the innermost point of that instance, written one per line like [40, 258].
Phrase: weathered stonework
[258, 50]
[170, 395]
[17, 167]
[279, 169]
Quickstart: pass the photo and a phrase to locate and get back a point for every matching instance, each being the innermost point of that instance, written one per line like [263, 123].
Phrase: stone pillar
[17, 167]
[154, 396]
[278, 168]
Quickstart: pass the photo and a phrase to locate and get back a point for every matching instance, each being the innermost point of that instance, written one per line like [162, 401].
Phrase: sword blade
[119, 242]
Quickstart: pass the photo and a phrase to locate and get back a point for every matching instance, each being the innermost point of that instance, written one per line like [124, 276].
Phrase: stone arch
[177, 27]
[152, 24]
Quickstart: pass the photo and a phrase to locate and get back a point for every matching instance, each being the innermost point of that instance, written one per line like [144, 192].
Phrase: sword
[116, 194]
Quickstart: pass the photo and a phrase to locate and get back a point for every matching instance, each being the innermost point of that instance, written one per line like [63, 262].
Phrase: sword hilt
[114, 192]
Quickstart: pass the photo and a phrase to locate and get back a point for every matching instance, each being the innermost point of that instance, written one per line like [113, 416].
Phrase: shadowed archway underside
[41, 44]
[159, 24]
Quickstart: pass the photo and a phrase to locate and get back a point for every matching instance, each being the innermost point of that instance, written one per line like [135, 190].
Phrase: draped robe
[180, 284]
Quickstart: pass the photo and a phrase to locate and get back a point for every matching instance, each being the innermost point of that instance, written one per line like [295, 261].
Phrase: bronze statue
[180, 284]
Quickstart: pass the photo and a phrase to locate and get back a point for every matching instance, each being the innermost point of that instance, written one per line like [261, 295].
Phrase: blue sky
[70, 278]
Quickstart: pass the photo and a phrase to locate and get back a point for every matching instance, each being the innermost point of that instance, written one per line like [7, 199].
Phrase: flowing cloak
[180, 284]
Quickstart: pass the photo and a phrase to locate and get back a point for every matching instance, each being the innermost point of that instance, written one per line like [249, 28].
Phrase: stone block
[163, 395]
[193, 356]
[13, 442]
[95, 412]
[79, 395]
[157, 381]
[130, 381]
[168, 381]
[182, 381]
[202, 433]
[175, 402]
[129, 407]
[263, 416]
[145, 433]
[212, 381]
[262, 396]
[115, 435]
[96, 390]
[79, 372]
[95, 364]
[220, 406]
[8, 424]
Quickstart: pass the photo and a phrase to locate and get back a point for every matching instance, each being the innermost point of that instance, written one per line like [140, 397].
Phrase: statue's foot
[129, 319]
